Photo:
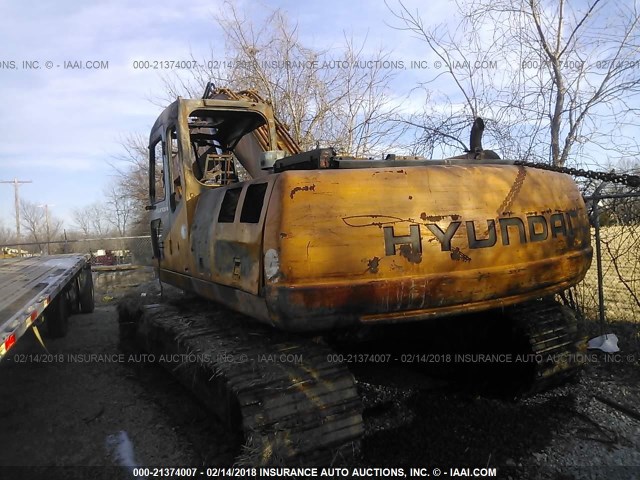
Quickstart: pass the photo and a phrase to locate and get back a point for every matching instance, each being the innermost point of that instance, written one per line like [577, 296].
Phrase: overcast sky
[61, 127]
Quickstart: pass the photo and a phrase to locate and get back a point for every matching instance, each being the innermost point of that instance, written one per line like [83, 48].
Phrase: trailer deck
[27, 287]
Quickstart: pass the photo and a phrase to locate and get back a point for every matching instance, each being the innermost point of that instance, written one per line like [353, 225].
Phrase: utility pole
[16, 184]
[46, 218]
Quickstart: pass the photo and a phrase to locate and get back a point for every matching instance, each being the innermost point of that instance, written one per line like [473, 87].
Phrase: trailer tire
[85, 280]
[73, 296]
[57, 317]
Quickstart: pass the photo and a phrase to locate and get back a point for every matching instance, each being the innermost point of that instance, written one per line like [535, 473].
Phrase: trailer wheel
[85, 281]
[73, 296]
[57, 317]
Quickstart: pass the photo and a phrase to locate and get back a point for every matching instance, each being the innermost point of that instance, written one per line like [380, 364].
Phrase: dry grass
[621, 275]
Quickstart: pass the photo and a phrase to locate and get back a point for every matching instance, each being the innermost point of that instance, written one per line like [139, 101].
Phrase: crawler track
[280, 393]
[287, 400]
[554, 342]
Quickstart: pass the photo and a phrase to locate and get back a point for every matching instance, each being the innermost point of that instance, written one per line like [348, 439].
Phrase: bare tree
[342, 100]
[39, 224]
[7, 236]
[91, 220]
[129, 188]
[132, 168]
[554, 79]
[82, 221]
[120, 208]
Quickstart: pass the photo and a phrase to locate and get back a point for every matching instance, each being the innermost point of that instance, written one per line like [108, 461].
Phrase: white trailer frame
[29, 286]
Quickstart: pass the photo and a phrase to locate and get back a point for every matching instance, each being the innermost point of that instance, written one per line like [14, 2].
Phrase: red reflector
[34, 315]
[8, 343]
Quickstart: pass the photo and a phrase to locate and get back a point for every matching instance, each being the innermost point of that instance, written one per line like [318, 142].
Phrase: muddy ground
[69, 409]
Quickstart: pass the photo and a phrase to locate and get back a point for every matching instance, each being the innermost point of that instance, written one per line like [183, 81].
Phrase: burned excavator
[314, 242]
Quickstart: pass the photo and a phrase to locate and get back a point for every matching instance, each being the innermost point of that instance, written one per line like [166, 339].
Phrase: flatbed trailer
[42, 291]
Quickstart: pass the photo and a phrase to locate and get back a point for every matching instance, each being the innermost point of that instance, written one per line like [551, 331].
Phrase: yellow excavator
[314, 242]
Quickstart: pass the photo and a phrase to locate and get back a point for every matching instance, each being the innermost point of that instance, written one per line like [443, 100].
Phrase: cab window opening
[213, 135]
[176, 166]
[229, 205]
[253, 203]
[156, 171]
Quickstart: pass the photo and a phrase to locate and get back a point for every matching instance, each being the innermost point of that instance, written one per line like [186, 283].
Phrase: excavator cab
[213, 136]
[214, 163]
[194, 148]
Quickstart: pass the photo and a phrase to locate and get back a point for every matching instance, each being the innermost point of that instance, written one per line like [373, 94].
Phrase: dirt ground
[67, 408]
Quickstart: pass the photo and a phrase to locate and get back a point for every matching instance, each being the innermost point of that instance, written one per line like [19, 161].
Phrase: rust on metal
[373, 264]
[306, 188]
[458, 255]
[410, 253]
